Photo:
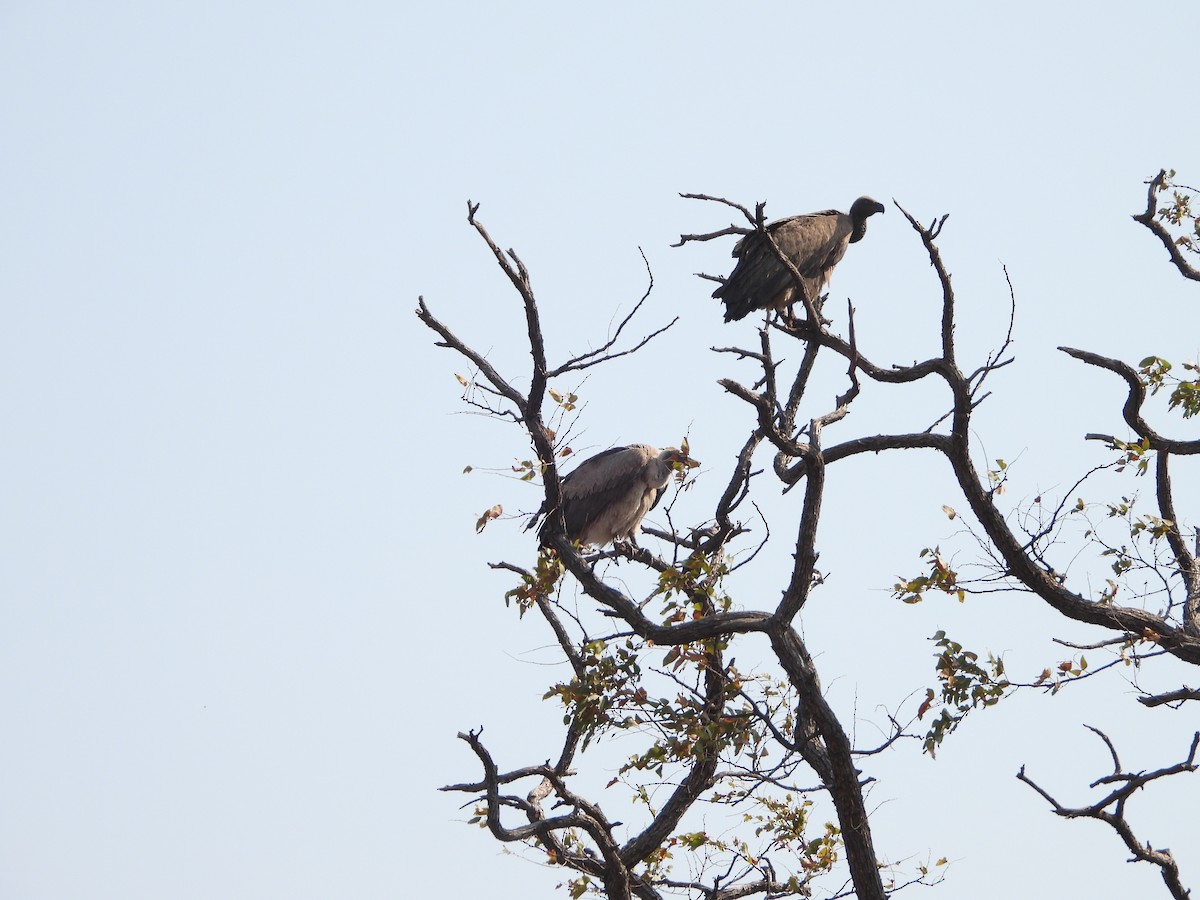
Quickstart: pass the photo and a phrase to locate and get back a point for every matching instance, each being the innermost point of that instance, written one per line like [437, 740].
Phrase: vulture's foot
[625, 546]
[790, 323]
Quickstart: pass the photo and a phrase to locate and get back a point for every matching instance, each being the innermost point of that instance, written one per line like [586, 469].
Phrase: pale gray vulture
[606, 497]
[814, 243]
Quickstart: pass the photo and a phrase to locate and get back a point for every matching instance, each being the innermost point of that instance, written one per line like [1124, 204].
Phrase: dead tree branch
[1111, 809]
[1171, 697]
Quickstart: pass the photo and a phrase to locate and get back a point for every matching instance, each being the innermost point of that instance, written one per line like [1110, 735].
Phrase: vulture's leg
[796, 324]
[782, 316]
[619, 550]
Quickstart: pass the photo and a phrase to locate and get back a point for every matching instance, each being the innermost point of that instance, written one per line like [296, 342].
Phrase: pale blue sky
[244, 608]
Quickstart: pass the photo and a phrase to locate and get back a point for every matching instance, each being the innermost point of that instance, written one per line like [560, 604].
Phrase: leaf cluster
[965, 683]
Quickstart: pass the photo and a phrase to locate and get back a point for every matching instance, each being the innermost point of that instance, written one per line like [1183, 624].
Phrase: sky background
[244, 610]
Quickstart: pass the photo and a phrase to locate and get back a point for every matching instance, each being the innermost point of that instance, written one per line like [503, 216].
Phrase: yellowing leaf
[949, 511]
[494, 513]
[924, 708]
[461, 380]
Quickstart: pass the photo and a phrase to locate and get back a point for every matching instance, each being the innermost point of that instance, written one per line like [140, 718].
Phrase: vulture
[606, 496]
[814, 243]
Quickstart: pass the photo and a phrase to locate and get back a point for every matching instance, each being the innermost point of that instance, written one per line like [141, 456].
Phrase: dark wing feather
[597, 482]
[814, 243]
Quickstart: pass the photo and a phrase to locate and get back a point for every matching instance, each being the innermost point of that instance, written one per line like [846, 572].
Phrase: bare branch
[830, 753]
[574, 366]
[1183, 694]
[712, 235]
[519, 276]
[451, 341]
[928, 236]
[1098, 645]
[1111, 809]
[805, 558]
[753, 218]
[1184, 560]
[600, 354]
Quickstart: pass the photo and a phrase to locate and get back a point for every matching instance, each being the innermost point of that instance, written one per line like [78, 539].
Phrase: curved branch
[1047, 584]
[1184, 560]
[831, 756]
[1132, 411]
[894, 375]
[710, 626]
[450, 341]
[519, 276]
[1150, 220]
[1020, 565]
[1129, 783]
[698, 779]
[543, 829]
[928, 236]
[871, 444]
[601, 354]
[1179, 696]
[806, 555]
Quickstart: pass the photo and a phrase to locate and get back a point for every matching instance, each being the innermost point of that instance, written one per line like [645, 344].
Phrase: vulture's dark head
[860, 211]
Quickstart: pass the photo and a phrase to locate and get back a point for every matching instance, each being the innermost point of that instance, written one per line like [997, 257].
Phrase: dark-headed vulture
[814, 243]
[606, 497]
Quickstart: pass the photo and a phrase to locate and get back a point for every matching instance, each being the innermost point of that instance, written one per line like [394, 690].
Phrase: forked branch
[1111, 809]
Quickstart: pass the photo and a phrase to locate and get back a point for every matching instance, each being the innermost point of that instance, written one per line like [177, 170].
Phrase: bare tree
[657, 661]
